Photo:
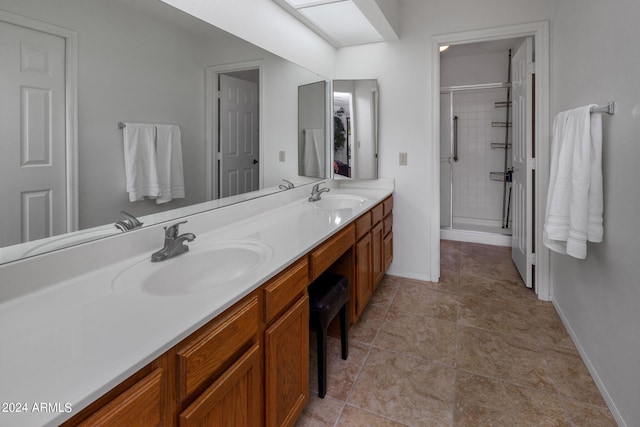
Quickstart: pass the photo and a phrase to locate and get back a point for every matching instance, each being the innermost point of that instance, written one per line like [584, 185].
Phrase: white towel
[313, 152]
[575, 197]
[170, 168]
[140, 161]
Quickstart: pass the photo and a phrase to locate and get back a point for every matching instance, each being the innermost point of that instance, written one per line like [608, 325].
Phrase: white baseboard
[475, 237]
[592, 370]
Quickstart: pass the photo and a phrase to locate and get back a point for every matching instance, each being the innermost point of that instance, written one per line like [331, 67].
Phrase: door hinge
[219, 94]
[532, 259]
[531, 68]
[218, 155]
[532, 163]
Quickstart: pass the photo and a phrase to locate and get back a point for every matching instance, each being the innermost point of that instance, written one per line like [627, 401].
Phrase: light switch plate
[403, 159]
[281, 156]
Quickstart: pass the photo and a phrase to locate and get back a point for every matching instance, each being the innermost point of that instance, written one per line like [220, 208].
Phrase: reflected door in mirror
[312, 144]
[33, 193]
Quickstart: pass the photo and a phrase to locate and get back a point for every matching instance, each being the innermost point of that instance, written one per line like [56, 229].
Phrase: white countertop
[71, 342]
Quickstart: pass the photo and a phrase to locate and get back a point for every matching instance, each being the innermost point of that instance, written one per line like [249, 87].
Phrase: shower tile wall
[476, 198]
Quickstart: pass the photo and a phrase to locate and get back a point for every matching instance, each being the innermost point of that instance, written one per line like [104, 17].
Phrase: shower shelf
[499, 176]
[499, 145]
[500, 124]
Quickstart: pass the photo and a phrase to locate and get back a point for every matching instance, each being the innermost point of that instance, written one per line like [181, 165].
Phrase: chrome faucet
[173, 244]
[316, 192]
[129, 223]
[289, 185]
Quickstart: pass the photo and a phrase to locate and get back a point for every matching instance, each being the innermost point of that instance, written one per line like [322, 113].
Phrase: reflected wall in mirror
[312, 135]
[73, 69]
[355, 129]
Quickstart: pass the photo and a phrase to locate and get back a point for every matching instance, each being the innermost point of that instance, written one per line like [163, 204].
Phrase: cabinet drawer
[387, 205]
[215, 345]
[140, 405]
[331, 250]
[388, 224]
[285, 289]
[363, 225]
[376, 213]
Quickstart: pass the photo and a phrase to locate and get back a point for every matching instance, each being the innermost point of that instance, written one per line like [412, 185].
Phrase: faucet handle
[171, 231]
[135, 223]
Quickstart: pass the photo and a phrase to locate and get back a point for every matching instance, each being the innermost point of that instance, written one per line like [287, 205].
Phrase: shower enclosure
[475, 162]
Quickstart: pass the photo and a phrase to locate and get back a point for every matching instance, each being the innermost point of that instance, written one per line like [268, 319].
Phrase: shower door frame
[540, 33]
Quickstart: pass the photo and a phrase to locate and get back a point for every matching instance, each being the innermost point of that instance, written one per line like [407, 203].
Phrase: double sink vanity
[215, 336]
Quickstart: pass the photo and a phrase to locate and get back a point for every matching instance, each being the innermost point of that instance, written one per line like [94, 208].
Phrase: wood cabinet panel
[204, 355]
[234, 399]
[140, 405]
[322, 257]
[388, 224]
[364, 282]
[285, 288]
[377, 254]
[388, 250]
[287, 366]
[377, 213]
[363, 225]
[387, 205]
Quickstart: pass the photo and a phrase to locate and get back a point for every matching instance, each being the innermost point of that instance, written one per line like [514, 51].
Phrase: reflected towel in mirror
[140, 160]
[314, 152]
[170, 168]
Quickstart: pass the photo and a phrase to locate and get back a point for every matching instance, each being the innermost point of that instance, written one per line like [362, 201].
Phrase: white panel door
[522, 208]
[239, 149]
[446, 159]
[32, 142]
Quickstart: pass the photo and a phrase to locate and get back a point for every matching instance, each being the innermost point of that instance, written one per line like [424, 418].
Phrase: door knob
[255, 161]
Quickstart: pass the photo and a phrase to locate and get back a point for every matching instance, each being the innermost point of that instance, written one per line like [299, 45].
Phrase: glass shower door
[446, 160]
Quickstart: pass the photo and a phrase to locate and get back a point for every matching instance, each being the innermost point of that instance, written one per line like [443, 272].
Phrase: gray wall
[596, 59]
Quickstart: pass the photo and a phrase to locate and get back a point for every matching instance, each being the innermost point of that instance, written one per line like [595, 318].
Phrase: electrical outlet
[403, 159]
[281, 156]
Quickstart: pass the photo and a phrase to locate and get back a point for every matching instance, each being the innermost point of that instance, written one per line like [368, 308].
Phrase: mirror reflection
[355, 129]
[312, 147]
[73, 70]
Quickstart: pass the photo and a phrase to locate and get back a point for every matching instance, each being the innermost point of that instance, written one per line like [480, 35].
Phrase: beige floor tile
[418, 335]
[320, 412]
[481, 401]
[571, 376]
[366, 328]
[341, 374]
[415, 297]
[496, 288]
[386, 291]
[405, 389]
[354, 417]
[549, 328]
[494, 315]
[584, 415]
[518, 360]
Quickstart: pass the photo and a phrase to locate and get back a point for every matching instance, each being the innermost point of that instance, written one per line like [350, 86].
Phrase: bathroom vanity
[121, 349]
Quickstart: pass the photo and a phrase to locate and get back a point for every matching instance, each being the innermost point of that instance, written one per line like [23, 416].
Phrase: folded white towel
[141, 176]
[313, 152]
[170, 168]
[575, 198]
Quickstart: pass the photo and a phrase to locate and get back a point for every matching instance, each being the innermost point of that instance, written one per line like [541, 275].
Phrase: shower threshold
[473, 233]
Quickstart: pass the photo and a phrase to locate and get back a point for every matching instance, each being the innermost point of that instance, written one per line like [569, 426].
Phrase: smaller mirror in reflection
[355, 129]
[312, 141]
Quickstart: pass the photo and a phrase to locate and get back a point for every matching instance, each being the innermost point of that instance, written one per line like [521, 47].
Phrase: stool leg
[321, 338]
[344, 332]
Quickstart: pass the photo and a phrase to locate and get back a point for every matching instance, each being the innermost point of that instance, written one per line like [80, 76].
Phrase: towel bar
[609, 108]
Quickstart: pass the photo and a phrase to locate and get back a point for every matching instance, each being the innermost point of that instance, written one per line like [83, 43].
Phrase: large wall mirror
[355, 129]
[312, 133]
[74, 69]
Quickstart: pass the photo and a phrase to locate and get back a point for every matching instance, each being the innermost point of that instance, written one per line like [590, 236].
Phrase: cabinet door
[388, 250]
[377, 257]
[234, 399]
[364, 279]
[287, 365]
[140, 405]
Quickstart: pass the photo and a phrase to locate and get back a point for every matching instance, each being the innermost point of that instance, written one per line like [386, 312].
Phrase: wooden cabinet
[234, 399]
[364, 281]
[387, 232]
[139, 405]
[287, 366]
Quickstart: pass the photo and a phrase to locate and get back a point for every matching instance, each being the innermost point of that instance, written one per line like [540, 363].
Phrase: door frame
[540, 33]
[211, 122]
[71, 106]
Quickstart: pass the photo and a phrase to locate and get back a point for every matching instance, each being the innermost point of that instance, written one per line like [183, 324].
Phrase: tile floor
[476, 349]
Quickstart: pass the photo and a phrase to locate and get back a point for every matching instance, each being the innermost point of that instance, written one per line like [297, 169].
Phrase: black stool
[328, 294]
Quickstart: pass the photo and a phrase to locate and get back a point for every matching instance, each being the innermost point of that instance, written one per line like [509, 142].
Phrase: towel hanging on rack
[575, 197]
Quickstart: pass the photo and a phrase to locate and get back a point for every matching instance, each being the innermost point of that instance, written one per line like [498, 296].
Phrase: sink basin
[340, 201]
[206, 266]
